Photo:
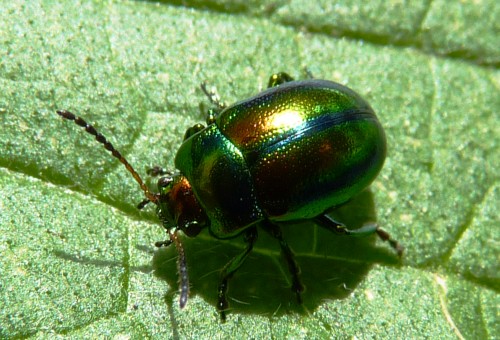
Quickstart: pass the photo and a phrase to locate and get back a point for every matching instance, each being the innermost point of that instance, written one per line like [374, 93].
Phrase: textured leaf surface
[77, 258]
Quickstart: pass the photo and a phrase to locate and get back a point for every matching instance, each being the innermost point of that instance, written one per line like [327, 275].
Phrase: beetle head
[178, 206]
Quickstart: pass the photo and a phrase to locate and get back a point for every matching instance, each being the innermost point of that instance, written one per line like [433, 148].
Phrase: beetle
[289, 153]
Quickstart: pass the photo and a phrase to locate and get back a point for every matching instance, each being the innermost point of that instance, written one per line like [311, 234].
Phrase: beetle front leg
[157, 170]
[294, 269]
[329, 223]
[230, 269]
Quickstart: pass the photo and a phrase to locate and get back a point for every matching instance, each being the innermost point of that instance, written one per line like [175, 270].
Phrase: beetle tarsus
[329, 223]
[229, 270]
[385, 236]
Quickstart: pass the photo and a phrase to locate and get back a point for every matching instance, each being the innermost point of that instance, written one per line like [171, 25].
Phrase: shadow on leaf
[332, 265]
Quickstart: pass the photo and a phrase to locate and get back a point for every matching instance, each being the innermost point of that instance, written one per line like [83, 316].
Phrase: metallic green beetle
[289, 153]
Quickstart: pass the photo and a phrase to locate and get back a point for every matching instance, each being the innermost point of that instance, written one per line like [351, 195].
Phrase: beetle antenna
[181, 268]
[150, 197]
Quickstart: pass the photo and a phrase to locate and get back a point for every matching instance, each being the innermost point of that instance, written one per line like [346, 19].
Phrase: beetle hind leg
[385, 236]
[294, 269]
[329, 223]
[230, 269]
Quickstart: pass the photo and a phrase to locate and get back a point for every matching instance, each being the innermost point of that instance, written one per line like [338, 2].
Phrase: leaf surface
[78, 259]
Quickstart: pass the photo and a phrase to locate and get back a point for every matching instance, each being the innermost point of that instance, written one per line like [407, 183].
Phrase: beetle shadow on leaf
[332, 266]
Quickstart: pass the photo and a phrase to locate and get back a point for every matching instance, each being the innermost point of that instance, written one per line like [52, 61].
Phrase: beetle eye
[192, 229]
[164, 182]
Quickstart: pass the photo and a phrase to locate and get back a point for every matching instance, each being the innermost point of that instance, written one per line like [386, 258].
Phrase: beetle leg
[161, 244]
[153, 172]
[294, 269]
[308, 73]
[215, 100]
[192, 130]
[157, 170]
[143, 203]
[329, 223]
[230, 269]
[212, 96]
[278, 79]
[385, 236]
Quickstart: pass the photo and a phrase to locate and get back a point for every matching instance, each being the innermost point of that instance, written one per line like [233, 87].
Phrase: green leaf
[77, 258]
